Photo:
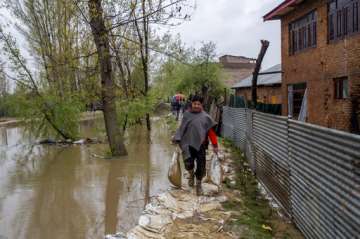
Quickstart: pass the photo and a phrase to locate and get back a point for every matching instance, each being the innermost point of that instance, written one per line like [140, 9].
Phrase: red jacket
[212, 137]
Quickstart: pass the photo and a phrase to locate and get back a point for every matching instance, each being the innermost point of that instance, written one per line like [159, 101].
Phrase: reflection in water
[64, 192]
[3, 138]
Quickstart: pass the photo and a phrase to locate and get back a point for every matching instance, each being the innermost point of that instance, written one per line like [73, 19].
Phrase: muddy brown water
[66, 192]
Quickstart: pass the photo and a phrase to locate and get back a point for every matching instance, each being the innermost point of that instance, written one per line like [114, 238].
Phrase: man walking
[192, 137]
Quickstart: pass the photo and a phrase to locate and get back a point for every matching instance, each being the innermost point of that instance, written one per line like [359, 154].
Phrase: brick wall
[319, 66]
[266, 94]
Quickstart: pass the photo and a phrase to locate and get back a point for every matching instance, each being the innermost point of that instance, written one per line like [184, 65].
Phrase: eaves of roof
[263, 79]
[282, 9]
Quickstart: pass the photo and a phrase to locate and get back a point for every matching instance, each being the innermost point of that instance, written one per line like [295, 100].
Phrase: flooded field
[70, 192]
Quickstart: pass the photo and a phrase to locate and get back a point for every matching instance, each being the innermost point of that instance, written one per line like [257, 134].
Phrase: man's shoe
[199, 190]
[191, 179]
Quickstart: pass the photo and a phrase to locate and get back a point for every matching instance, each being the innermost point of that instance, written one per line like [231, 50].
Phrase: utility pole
[264, 46]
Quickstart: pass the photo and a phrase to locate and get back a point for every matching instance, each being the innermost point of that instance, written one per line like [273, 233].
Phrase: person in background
[187, 106]
[177, 105]
[173, 105]
[192, 136]
[182, 105]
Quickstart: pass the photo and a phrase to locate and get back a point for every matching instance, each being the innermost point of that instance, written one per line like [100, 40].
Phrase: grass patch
[254, 209]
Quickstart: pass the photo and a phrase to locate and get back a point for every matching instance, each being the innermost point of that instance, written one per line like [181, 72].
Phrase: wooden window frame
[343, 19]
[339, 88]
[298, 92]
[303, 33]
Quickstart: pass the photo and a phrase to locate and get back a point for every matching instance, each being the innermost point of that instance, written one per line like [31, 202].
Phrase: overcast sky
[236, 26]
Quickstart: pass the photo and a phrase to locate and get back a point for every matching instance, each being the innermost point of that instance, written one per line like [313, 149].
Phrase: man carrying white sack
[192, 137]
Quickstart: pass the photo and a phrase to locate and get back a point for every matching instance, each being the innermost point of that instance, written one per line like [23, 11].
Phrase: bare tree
[143, 37]
[264, 46]
[101, 38]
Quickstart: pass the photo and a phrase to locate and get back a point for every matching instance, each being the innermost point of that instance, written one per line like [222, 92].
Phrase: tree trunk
[101, 39]
[146, 65]
[264, 47]
[144, 52]
[205, 95]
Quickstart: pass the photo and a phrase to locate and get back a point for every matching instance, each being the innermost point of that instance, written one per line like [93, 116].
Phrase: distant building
[236, 68]
[268, 86]
[321, 56]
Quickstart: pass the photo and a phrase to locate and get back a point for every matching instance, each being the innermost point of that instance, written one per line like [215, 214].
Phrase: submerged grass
[172, 123]
[255, 218]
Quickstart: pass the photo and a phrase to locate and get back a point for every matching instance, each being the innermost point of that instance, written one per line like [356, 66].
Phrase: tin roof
[241, 57]
[269, 79]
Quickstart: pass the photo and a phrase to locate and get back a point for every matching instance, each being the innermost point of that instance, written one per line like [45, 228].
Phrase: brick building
[268, 87]
[321, 56]
[236, 68]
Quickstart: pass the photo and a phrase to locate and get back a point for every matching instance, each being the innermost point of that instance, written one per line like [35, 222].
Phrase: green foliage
[8, 106]
[199, 76]
[63, 112]
[132, 111]
[198, 73]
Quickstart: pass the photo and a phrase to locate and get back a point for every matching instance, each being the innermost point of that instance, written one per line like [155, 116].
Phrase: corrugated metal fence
[313, 172]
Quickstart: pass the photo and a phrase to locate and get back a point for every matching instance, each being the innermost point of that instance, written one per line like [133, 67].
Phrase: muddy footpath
[238, 208]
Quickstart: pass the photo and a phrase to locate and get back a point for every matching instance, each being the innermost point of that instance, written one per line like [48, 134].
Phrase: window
[295, 97]
[338, 24]
[355, 17]
[298, 92]
[302, 33]
[341, 88]
[331, 27]
[343, 18]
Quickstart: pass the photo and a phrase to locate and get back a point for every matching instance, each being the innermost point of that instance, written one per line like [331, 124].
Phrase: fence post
[289, 167]
[252, 143]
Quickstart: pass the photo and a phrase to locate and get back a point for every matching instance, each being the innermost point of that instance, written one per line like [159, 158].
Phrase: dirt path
[222, 212]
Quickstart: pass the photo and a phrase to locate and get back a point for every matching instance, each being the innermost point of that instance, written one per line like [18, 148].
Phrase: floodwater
[71, 192]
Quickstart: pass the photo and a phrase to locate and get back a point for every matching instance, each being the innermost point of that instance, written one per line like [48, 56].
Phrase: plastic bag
[174, 173]
[216, 170]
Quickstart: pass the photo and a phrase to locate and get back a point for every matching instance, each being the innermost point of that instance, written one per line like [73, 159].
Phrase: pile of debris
[179, 213]
[69, 141]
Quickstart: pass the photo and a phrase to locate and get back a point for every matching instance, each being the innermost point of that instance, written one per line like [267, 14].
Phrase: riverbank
[11, 122]
[235, 209]
[7, 122]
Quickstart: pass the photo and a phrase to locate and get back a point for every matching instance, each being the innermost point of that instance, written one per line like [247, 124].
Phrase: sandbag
[174, 173]
[216, 171]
